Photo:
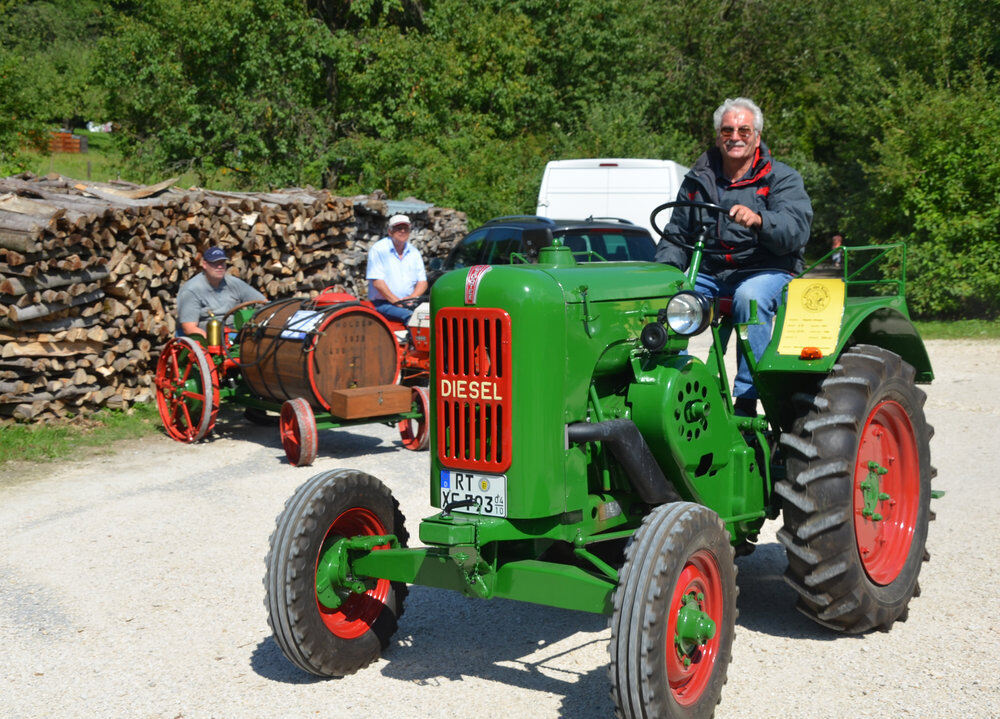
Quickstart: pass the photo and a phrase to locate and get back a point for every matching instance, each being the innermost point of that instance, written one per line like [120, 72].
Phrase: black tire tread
[817, 495]
[651, 559]
[289, 578]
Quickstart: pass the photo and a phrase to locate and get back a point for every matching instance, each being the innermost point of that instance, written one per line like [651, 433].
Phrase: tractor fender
[883, 324]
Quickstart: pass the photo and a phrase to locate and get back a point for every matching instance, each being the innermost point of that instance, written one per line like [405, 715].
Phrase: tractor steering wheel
[690, 239]
[411, 303]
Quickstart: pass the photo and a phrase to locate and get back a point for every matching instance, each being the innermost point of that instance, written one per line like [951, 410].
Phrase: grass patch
[42, 443]
[960, 330]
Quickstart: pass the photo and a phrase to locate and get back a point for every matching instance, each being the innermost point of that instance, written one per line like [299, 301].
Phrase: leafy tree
[235, 85]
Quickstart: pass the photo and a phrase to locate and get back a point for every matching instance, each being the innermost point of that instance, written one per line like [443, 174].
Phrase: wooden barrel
[299, 348]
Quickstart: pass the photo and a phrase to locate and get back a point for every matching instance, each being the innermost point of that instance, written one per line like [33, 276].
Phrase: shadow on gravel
[444, 637]
[767, 603]
[268, 662]
[332, 443]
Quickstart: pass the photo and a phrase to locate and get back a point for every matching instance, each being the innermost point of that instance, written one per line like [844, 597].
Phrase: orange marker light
[810, 353]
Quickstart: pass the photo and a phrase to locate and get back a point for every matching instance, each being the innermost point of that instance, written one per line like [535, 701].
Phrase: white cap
[398, 220]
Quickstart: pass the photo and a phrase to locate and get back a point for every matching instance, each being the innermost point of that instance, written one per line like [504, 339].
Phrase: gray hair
[744, 103]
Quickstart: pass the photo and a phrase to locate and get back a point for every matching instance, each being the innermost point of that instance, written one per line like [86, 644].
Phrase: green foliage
[232, 84]
[462, 102]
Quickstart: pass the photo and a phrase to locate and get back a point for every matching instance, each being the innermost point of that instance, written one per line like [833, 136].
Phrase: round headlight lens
[688, 313]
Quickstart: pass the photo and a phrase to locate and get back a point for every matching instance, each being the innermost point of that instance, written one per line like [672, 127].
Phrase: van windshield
[613, 245]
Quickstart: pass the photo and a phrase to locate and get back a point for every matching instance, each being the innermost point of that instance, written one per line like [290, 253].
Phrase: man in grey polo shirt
[395, 271]
[211, 292]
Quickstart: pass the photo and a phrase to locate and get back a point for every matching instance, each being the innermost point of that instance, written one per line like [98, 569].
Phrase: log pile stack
[89, 274]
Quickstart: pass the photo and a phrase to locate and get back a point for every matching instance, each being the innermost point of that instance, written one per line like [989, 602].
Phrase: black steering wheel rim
[682, 240]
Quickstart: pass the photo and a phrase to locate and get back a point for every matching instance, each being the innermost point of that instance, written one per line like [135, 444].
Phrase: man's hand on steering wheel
[689, 240]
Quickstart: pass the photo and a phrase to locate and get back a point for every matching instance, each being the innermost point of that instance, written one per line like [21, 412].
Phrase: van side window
[470, 251]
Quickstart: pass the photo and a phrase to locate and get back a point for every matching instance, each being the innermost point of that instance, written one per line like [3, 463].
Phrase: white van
[609, 187]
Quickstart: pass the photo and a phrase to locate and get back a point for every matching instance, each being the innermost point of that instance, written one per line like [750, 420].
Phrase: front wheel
[856, 502]
[187, 390]
[297, 424]
[319, 640]
[673, 618]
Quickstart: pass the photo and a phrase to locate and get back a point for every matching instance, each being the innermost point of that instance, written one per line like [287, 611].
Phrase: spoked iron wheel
[318, 639]
[298, 432]
[415, 433]
[673, 616]
[856, 502]
[187, 390]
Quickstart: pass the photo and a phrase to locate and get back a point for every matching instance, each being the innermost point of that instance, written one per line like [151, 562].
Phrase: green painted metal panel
[555, 585]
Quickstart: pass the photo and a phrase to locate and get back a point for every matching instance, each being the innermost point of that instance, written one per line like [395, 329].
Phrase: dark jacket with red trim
[770, 188]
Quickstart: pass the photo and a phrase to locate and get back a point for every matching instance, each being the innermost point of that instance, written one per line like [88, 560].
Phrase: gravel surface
[130, 586]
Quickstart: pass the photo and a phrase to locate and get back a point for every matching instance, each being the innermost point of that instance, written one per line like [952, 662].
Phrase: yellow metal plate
[812, 319]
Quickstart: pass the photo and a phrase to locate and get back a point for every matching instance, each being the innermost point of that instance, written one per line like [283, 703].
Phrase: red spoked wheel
[416, 432]
[359, 611]
[676, 590]
[298, 432]
[886, 492]
[322, 625]
[187, 390]
[695, 611]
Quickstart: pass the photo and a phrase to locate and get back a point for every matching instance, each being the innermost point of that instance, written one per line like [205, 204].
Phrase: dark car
[594, 239]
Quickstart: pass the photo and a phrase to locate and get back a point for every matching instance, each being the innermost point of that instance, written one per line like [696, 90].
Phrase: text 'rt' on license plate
[488, 491]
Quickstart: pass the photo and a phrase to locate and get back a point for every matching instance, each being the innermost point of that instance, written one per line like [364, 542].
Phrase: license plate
[488, 491]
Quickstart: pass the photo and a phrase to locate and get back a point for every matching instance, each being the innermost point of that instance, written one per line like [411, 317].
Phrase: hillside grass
[101, 163]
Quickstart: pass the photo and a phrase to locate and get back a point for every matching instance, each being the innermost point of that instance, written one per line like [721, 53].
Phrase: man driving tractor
[764, 238]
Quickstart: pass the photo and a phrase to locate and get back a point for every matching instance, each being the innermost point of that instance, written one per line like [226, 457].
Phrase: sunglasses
[743, 131]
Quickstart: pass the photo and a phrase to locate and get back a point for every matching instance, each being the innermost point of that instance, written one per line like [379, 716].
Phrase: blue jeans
[765, 287]
[393, 312]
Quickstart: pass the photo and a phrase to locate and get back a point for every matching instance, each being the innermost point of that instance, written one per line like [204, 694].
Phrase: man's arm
[192, 328]
[419, 290]
[188, 313]
[785, 223]
[384, 290]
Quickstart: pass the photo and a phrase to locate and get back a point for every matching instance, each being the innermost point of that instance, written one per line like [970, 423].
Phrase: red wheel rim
[298, 432]
[186, 390]
[415, 433]
[884, 537]
[699, 577]
[359, 611]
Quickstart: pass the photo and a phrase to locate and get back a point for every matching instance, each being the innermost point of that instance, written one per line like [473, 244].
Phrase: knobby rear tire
[854, 574]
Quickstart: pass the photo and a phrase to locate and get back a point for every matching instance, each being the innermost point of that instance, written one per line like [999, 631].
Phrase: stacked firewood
[89, 274]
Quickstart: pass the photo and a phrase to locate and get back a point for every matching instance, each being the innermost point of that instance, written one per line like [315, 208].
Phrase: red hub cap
[886, 492]
[690, 664]
[359, 611]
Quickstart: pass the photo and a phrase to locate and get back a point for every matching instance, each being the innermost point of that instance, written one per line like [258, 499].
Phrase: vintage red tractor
[326, 362]
[584, 458]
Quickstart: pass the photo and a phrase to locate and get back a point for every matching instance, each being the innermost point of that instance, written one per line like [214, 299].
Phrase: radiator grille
[472, 347]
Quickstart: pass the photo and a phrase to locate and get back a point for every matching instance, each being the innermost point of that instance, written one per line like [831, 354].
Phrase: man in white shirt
[395, 271]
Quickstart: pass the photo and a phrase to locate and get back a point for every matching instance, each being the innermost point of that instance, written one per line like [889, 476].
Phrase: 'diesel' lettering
[470, 389]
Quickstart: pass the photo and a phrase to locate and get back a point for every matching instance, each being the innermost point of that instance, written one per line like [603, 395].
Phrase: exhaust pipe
[629, 447]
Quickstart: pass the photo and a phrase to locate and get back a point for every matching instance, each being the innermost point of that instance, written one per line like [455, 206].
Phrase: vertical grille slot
[473, 388]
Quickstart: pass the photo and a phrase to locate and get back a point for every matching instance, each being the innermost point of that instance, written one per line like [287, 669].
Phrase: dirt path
[130, 586]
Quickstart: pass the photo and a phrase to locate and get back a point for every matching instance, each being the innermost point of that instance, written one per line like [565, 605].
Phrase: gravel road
[130, 586]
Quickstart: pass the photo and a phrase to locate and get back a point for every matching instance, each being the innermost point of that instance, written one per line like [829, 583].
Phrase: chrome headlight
[688, 313]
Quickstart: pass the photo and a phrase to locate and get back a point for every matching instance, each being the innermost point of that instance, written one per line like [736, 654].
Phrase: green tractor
[584, 459]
